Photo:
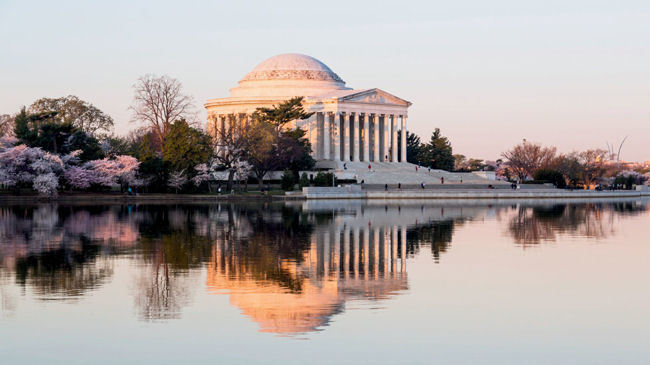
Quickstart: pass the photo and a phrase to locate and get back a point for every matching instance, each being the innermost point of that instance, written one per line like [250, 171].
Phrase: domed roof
[292, 66]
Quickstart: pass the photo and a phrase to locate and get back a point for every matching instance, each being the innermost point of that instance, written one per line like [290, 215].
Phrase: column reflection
[298, 295]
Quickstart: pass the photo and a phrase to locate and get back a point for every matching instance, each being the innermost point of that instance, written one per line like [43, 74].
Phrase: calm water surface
[517, 282]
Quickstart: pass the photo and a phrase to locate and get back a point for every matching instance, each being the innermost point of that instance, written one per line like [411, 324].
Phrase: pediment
[374, 96]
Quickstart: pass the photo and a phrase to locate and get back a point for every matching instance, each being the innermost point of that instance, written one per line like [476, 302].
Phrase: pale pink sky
[573, 74]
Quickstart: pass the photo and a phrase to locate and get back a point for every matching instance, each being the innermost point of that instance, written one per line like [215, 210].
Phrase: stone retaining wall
[347, 192]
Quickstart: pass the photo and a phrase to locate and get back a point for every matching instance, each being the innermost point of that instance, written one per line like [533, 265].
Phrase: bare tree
[262, 150]
[230, 147]
[525, 158]
[593, 164]
[158, 102]
[6, 125]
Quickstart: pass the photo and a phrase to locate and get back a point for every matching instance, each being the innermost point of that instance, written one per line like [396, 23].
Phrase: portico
[347, 125]
[349, 128]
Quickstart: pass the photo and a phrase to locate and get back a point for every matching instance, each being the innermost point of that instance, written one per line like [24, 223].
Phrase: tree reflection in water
[437, 235]
[532, 225]
[288, 267]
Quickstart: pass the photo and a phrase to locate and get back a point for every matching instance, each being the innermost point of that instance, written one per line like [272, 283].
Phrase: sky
[573, 74]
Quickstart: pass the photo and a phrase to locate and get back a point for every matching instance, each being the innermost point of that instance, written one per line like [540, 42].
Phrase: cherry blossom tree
[242, 171]
[120, 170]
[22, 165]
[202, 174]
[176, 180]
[46, 184]
[79, 177]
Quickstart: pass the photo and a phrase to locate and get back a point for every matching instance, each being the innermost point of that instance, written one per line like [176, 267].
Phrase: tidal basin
[461, 282]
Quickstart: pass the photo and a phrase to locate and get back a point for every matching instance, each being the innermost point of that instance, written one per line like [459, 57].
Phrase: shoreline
[330, 194]
[495, 194]
[146, 198]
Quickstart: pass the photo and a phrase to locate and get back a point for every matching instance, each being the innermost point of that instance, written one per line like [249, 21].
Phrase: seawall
[352, 192]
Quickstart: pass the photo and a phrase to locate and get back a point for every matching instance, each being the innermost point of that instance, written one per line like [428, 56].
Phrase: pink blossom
[79, 177]
[46, 184]
[121, 169]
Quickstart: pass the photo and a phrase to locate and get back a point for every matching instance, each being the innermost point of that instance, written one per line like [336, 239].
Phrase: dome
[288, 75]
[292, 66]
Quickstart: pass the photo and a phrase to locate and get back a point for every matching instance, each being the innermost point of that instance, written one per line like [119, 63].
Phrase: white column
[393, 138]
[375, 138]
[366, 139]
[382, 138]
[313, 135]
[345, 136]
[403, 138]
[355, 136]
[336, 135]
[226, 123]
[326, 136]
[215, 132]
[387, 122]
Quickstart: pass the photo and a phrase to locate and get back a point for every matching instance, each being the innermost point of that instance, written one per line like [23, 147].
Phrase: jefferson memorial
[348, 125]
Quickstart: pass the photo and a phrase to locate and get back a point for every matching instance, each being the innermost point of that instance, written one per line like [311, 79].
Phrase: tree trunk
[260, 180]
[231, 175]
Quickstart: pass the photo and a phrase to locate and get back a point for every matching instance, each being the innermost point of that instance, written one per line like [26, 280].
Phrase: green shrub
[287, 180]
[304, 180]
[325, 179]
[551, 176]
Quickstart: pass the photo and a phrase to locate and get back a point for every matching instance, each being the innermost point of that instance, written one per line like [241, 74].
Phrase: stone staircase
[382, 173]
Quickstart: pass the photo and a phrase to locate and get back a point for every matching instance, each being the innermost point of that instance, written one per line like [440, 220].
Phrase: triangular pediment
[374, 96]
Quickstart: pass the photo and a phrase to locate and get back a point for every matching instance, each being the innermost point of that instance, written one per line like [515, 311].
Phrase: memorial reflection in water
[288, 267]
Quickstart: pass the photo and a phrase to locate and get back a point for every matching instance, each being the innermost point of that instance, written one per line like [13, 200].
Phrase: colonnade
[220, 123]
[358, 136]
[340, 136]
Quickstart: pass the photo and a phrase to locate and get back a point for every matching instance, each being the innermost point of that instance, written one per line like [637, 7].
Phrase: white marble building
[347, 125]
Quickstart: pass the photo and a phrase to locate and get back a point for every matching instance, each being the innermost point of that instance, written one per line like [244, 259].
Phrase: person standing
[442, 180]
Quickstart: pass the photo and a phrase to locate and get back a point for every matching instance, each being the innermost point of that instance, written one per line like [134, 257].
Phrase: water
[513, 282]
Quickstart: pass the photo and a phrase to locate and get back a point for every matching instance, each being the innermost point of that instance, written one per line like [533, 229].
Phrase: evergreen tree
[413, 147]
[283, 113]
[22, 130]
[44, 131]
[294, 152]
[437, 154]
[89, 145]
[270, 147]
